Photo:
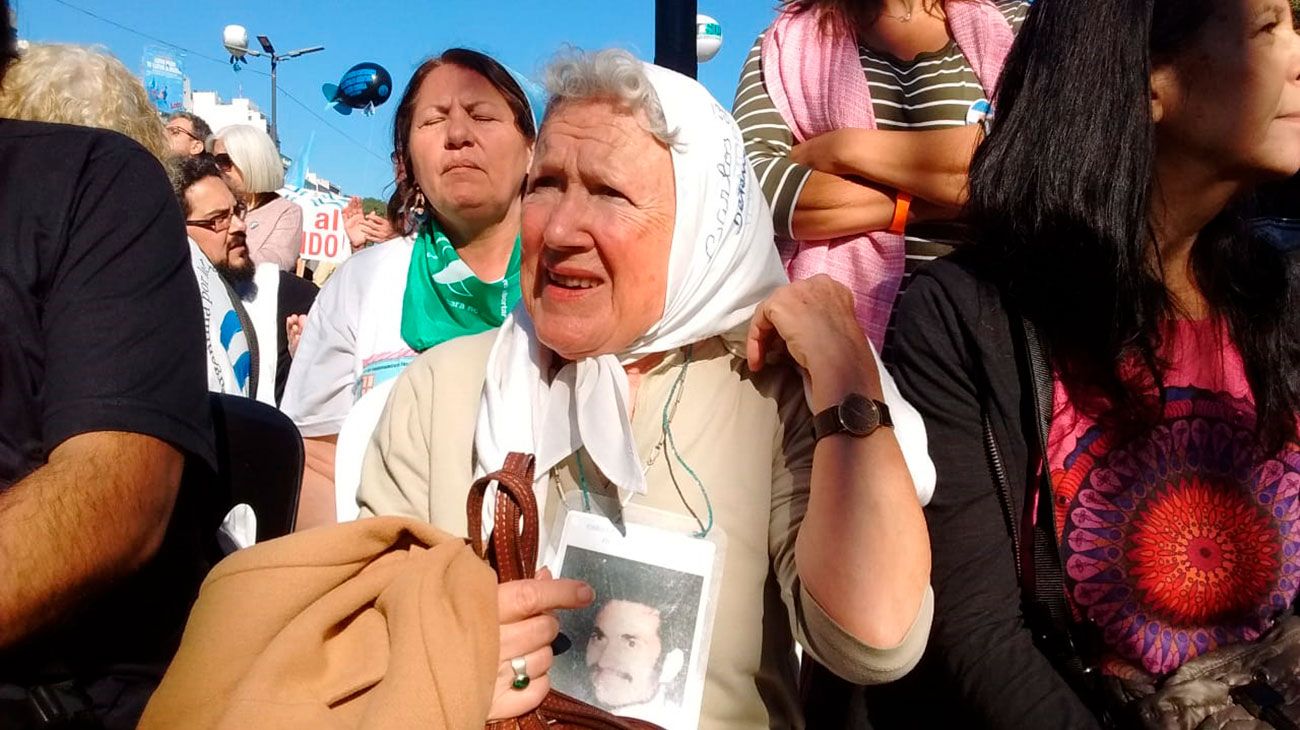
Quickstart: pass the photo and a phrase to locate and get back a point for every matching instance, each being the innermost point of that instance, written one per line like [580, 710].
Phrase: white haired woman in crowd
[252, 168]
[645, 372]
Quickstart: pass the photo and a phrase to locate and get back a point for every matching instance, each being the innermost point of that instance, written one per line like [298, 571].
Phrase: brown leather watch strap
[856, 415]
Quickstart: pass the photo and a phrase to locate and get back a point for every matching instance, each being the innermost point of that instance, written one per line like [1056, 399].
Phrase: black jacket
[958, 355]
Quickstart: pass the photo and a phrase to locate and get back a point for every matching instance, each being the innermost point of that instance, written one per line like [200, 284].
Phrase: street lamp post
[237, 43]
[675, 36]
[275, 62]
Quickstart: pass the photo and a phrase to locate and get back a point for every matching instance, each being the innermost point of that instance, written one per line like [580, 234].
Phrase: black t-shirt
[100, 323]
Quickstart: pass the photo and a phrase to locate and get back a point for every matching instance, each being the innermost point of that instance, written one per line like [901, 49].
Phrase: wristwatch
[856, 415]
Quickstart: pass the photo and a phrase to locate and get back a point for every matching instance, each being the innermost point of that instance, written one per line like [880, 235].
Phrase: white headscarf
[722, 264]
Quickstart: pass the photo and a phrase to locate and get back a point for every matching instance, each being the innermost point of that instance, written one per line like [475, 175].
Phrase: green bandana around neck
[445, 300]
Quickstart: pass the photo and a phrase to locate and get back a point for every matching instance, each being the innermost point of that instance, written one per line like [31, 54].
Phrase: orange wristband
[902, 204]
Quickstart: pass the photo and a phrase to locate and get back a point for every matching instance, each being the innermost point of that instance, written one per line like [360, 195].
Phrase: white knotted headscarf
[722, 264]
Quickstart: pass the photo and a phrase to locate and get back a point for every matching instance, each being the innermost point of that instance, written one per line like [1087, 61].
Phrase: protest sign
[323, 235]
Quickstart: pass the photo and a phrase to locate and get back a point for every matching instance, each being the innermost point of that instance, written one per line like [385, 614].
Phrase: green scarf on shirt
[445, 300]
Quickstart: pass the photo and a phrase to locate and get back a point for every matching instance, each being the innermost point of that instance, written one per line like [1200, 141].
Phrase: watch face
[859, 415]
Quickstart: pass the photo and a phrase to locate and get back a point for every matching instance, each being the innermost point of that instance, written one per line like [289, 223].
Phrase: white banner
[323, 237]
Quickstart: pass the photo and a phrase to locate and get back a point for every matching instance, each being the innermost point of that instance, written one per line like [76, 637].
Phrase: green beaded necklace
[670, 408]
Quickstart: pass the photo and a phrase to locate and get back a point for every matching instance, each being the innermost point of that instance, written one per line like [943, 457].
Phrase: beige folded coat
[381, 623]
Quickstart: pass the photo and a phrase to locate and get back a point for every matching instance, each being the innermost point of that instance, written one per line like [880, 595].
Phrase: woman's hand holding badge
[524, 610]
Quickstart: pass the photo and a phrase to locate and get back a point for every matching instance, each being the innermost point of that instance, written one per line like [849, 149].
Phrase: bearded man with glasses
[245, 305]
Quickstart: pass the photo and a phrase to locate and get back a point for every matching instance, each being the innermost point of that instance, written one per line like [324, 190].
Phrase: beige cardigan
[748, 437]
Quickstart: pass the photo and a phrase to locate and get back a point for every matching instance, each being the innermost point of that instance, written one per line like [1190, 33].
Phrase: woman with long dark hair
[1111, 370]
[463, 137]
[860, 117]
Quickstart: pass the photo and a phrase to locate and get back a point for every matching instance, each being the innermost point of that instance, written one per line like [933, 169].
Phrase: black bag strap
[1043, 577]
[1072, 647]
[62, 705]
[1036, 551]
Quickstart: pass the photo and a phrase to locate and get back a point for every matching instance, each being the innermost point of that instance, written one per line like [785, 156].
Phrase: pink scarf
[817, 84]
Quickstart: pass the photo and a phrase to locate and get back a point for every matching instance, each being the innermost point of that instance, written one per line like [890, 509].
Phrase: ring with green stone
[520, 668]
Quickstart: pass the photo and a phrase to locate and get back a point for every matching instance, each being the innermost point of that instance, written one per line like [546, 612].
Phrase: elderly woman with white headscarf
[658, 362]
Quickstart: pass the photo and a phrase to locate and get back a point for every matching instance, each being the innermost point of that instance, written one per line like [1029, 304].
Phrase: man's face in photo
[623, 654]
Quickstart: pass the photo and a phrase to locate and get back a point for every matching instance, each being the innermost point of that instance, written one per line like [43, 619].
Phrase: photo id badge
[641, 649]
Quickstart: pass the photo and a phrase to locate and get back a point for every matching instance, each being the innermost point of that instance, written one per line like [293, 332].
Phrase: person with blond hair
[252, 168]
[82, 85]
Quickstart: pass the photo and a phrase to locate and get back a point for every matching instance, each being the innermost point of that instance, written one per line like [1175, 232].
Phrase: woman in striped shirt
[927, 96]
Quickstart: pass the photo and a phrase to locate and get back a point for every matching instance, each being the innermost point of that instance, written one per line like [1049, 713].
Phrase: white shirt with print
[353, 338]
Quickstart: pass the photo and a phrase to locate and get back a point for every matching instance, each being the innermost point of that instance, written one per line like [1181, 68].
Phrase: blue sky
[396, 34]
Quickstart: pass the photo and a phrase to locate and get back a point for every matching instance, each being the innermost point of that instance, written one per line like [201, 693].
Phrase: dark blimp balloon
[364, 86]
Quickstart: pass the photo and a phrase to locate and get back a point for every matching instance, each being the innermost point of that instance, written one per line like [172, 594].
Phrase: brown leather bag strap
[563, 711]
[513, 549]
[512, 552]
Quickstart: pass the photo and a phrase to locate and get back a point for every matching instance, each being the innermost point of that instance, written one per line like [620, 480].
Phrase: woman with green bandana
[462, 139]
[446, 299]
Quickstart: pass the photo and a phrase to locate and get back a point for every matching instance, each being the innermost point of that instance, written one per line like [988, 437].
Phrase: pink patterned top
[1186, 538]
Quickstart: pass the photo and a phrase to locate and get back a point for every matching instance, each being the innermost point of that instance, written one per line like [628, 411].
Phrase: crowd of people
[951, 378]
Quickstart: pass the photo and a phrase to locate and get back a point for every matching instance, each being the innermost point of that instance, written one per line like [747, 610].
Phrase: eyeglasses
[177, 131]
[224, 163]
[221, 221]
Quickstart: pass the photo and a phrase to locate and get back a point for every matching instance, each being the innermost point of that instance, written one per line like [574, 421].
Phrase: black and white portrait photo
[633, 650]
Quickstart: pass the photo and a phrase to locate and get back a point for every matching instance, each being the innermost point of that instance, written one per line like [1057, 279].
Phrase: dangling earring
[418, 209]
